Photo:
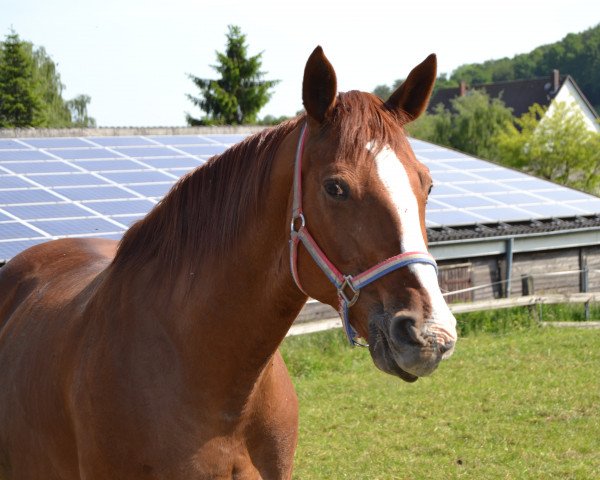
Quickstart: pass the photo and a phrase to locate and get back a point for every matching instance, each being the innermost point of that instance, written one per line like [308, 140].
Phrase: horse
[157, 357]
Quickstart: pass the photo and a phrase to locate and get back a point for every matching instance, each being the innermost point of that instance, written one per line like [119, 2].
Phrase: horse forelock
[360, 119]
[207, 209]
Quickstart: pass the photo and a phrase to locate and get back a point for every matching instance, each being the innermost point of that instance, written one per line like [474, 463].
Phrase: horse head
[363, 197]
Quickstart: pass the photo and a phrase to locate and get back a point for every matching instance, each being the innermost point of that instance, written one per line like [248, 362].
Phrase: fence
[528, 296]
[323, 317]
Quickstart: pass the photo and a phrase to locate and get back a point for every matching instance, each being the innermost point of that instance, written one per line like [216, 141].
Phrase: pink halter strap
[348, 286]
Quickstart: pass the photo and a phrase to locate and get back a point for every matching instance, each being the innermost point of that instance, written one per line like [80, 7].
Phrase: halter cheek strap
[348, 286]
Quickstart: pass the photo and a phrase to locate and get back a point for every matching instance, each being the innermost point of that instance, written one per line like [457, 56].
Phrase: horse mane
[205, 212]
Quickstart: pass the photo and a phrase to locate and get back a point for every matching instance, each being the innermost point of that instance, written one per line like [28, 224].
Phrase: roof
[512, 229]
[94, 185]
[518, 95]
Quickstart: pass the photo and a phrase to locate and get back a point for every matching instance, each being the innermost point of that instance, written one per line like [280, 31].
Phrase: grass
[522, 318]
[520, 405]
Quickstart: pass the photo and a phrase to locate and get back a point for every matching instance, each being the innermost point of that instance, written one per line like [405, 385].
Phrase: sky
[133, 56]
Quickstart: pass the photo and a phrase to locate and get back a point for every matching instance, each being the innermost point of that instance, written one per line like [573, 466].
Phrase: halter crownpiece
[348, 286]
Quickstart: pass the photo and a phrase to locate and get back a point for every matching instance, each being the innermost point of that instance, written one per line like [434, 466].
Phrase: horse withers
[158, 357]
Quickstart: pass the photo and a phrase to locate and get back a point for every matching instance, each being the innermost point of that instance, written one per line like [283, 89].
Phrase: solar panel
[83, 153]
[117, 164]
[26, 154]
[141, 176]
[38, 167]
[468, 190]
[9, 144]
[63, 180]
[77, 226]
[8, 181]
[120, 207]
[105, 192]
[98, 186]
[120, 141]
[45, 211]
[15, 230]
[148, 151]
[28, 195]
[57, 142]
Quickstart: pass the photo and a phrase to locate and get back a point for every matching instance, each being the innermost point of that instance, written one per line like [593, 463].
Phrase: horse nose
[404, 330]
[446, 348]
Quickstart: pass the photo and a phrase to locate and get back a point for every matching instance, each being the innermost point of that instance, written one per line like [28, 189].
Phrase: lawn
[517, 405]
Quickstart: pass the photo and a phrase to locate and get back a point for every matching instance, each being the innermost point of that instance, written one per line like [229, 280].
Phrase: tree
[471, 126]
[240, 93]
[557, 147]
[78, 110]
[31, 90]
[384, 91]
[576, 54]
[272, 120]
[20, 103]
[54, 111]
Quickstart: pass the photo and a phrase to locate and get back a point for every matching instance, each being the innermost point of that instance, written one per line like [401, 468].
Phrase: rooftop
[95, 183]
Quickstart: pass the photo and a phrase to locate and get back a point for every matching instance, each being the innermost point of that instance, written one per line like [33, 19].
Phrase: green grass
[522, 318]
[521, 405]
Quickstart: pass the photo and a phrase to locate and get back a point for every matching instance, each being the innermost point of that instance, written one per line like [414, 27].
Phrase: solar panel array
[98, 186]
[468, 191]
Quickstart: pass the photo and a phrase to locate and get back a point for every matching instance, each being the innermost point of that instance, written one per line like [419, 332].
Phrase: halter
[348, 286]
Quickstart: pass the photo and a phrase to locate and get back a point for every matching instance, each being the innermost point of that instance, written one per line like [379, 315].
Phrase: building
[519, 95]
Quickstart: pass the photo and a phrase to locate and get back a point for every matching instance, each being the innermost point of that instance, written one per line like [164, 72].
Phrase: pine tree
[240, 93]
[20, 105]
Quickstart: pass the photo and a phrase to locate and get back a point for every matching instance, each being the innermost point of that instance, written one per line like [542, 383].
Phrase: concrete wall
[125, 131]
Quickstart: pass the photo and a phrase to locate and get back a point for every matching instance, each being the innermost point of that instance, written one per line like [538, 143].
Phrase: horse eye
[336, 189]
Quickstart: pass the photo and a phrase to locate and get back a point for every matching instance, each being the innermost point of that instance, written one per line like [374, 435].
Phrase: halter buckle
[355, 291]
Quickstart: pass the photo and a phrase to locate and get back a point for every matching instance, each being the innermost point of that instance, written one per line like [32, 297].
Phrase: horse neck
[227, 314]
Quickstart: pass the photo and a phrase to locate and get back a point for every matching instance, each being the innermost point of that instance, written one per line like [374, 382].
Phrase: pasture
[518, 405]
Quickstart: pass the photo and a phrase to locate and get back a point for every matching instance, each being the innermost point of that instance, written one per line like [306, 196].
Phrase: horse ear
[413, 95]
[319, 87]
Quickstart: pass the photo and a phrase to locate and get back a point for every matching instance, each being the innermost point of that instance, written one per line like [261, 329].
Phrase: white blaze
[393, 175]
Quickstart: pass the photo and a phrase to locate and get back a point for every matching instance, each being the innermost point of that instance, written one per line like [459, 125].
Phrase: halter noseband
[348, 286]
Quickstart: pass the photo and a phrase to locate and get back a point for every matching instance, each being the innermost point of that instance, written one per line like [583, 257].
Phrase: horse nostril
[403, 329]
[446, 347]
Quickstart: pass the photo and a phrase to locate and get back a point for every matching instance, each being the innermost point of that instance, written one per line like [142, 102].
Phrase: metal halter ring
[293, 223]
[356, 292]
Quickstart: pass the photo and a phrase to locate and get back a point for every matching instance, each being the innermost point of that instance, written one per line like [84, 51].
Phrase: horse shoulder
[43, 292]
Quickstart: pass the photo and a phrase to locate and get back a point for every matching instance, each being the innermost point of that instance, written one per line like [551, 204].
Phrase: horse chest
[223, 458]
[186, 436]
[259, 443]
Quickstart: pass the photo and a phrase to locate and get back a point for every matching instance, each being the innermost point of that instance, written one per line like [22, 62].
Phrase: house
[519, 95]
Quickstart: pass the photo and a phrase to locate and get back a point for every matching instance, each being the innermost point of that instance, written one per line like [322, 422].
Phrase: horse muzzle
[402, 345]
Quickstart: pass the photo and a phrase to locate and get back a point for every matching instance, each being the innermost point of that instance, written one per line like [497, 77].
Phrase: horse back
[43, 292]
[43, 268]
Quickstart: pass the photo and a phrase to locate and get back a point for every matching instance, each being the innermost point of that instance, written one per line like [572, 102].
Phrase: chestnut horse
[158, 357]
